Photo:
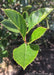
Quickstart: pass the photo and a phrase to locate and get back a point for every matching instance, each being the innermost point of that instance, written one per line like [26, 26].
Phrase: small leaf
[17, 20]
[37, 33]
[4, 53]
[10, 26]
[27, 7]
[37, 16]
[25, 54]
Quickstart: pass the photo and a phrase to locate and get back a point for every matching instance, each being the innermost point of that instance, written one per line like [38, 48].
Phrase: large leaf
[37, 16]
[37, 33]
[18, 20]
[10, 26]
[25, 54]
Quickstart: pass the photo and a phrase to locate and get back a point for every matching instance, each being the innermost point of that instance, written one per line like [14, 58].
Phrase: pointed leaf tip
[37, 33]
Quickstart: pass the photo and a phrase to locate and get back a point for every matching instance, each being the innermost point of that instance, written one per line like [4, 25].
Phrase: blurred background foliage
[29, 6]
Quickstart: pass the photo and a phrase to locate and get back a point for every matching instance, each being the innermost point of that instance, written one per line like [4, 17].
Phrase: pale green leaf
[37, 33]
[25, 54]
[37, 16]
[10, 26]
[17, 20]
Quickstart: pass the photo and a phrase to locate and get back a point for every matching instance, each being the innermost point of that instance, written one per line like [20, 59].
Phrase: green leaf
[4, 53]
[25, 54]
[37, 33]
[17, 20]
[11, 1]
[37, 16]
[10, 26]
[27, 7]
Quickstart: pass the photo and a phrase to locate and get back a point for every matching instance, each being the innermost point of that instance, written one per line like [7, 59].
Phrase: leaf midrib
[25, 50]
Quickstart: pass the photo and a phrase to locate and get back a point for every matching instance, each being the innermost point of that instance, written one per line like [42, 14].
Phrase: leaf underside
[25, 54]
[10, 26]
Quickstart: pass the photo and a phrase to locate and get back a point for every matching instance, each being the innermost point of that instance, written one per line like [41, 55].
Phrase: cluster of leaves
[18, 24]
[4, 34]
[47, 22]
[27, 52]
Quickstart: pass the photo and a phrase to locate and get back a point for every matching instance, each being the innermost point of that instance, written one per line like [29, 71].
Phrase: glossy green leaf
[25, 54]
[10, 26]
[37, 16]
[17, 20]
[37, 33]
